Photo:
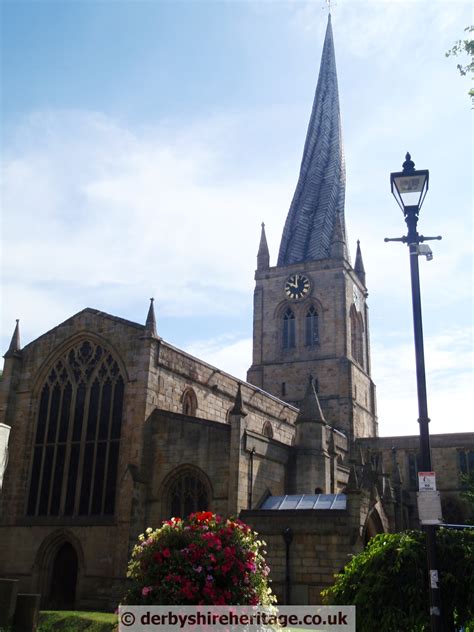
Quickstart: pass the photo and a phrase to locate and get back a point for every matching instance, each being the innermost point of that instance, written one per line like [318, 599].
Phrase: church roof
[320, 192]
[305, 501]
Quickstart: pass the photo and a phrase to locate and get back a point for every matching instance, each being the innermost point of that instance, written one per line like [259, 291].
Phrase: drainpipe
[288, 537]
[249, 501]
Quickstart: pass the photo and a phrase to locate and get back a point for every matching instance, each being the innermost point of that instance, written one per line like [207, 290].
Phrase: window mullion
[43, 454]
[67, 456]
[85, 421]
[107, 450]
[55, 452]
[95, 440]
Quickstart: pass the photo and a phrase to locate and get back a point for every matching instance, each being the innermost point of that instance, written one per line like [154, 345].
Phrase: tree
[461, 47]
[388, 582]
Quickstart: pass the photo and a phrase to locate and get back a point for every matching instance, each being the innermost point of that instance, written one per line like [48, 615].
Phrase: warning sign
[426, 481]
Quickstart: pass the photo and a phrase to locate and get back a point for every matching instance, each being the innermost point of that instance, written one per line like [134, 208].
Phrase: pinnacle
[150, 325]
[310, 407]
[238, 408]
[14, 347]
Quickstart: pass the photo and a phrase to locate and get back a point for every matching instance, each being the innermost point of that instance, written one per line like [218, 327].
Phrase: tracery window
[311, 327]
[187, 494]
[74, 471]
[189, 401]
[289, 330]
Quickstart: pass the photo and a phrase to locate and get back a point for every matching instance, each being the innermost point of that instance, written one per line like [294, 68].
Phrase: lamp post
[409, 187]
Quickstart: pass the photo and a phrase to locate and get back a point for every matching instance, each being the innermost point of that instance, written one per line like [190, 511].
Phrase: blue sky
[144, 142]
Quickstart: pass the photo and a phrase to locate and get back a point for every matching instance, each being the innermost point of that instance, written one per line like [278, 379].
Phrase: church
[110, 429]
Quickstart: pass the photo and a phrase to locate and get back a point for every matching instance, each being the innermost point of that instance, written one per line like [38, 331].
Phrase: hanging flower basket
[202, 560]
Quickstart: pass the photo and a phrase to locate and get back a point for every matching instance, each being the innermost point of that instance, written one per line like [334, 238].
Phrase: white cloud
[449, 363]
[226, 353]
[92, 206]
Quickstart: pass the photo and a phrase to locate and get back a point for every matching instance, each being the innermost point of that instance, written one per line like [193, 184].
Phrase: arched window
[189, 401]
[289, 330]
[311, 327]
[268, 430]
[77, 441]
[357, 337]
[187, 494]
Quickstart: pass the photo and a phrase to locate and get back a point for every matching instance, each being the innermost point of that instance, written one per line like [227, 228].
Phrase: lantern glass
[409, 189]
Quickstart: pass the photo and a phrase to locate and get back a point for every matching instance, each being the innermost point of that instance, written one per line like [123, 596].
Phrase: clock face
[297, 286]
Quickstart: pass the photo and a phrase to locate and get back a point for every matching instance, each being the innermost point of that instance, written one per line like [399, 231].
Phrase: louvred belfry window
[74, 471]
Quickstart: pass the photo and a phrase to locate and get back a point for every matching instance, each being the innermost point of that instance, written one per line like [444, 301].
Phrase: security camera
[425, 250]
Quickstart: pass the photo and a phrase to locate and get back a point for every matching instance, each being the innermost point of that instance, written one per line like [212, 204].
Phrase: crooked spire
[320, 192]
[263, 255]
[359, 264]
[14, 347]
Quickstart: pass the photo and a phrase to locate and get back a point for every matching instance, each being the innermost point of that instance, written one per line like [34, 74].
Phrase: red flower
[203, 516]
[166, 553]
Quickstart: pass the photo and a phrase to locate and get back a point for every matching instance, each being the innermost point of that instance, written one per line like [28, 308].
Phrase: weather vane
[330, 4]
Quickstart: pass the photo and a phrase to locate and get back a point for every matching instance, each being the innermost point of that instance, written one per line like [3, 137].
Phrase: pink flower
[146, 590]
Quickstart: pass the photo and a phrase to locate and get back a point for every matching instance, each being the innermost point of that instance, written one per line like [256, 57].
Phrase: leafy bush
[388, 582]
[202, 560]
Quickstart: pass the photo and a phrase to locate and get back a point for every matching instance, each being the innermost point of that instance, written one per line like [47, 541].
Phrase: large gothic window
[76, 450]
[311, 327]
[187, 494]
[289, 330]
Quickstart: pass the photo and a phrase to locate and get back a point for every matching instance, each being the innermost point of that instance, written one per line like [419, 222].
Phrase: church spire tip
[320, 191]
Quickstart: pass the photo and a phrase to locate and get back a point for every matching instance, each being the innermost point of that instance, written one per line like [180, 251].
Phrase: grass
[76, 621]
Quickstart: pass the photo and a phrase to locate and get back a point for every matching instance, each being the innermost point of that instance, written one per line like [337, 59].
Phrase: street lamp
[409, 187]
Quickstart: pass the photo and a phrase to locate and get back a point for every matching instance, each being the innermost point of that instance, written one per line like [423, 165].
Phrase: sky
[144, 142]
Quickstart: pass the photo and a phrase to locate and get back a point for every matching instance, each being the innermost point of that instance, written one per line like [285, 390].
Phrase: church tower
[310, 310]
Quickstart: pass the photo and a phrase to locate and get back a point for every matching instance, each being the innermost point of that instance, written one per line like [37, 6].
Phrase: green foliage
[464, 47]
[388, 582]
[72, 621]
[468, 493]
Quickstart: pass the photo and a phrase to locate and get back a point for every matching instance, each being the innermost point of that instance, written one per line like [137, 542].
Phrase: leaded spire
[319, 195]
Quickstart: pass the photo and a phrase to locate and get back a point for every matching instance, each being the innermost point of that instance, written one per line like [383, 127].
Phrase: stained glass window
[77, 438]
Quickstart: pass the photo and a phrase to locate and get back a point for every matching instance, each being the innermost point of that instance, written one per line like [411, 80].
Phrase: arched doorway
[62, 594]
[373, 526]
